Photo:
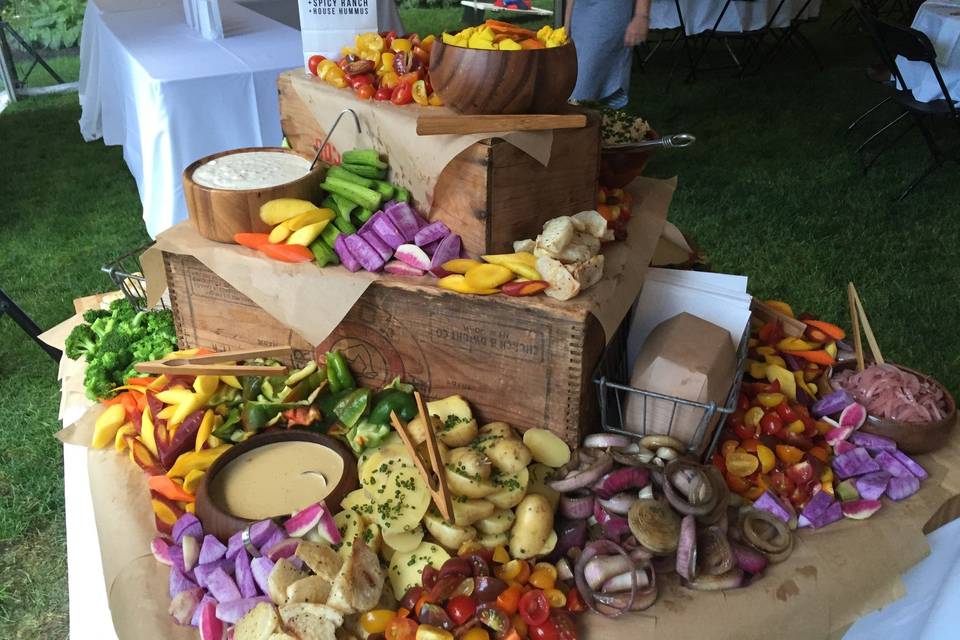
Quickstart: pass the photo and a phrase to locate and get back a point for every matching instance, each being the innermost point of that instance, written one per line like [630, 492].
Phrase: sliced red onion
[621, 581]
[732, 579]
[612, 609]
[610, 604]
[577, 505]
[615, 528]
[586, 477]
[604, 440]
[564, 570]
[619, 504]
[687, 549]
[749, 559]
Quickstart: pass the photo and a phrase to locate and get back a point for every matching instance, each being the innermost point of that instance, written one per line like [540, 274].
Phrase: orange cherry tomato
[510, 599]
[789, 454]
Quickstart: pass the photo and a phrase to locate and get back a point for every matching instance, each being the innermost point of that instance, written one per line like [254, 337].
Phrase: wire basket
[127, 273]
[612, 396]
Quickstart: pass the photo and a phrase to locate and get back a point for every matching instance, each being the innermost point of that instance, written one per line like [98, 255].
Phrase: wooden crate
[492, 193]
[527, 361]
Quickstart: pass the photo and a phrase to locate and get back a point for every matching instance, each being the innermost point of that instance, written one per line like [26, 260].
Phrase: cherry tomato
[383, 93]
[545, 631]
[461, 608]
[771, 423]
[744, 432]
[510, 599]
[781, 482]
[743, 402]
[402, 94]
[360, 80]
[376, 621]
[787, 415]
[388, 37]
[365, 91]
[314, 62]
[575, 602]
[564, 624]
[419, 92]
[401, 629]
[534, 608]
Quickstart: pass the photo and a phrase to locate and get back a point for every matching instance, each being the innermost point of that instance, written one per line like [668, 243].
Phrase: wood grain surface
[479, 81]
[219, 214]
[433, 125]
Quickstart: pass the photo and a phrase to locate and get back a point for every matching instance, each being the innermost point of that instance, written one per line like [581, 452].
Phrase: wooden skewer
[434, 478]
[871, 338]
[855, 326]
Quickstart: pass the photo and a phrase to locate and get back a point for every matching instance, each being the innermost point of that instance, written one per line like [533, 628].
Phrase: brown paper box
[686, 357]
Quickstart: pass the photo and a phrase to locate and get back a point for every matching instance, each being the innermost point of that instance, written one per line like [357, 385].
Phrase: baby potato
[450, 536]
[512, 489]
[457, 425]
[471, 463]
[547, 448]
[466, 512]
[540, 474]
[499, 522]
[468, 487]
[417, 430]
[499, 429]
[493, 540]
[532, 527]
[509, 455]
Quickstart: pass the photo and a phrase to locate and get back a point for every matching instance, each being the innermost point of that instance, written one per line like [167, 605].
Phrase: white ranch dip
[251, 170]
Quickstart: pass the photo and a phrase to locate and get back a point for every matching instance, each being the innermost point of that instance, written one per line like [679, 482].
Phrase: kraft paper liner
[415, 161]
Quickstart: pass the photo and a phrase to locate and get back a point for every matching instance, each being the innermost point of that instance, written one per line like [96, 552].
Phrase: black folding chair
[752, 40]
[791, 35]
[10, 308]
[893, 41]
[645, 51]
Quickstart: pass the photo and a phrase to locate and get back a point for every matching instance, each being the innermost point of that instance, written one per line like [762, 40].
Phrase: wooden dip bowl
[218, 214]
[911, 437]
[218, 521]
[481, 81]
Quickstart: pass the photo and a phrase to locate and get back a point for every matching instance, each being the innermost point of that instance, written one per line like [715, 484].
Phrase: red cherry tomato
[401, 629]
[364, 91]
[534, 608]
[383, 93]
[314, 62]
[771, 423]
[388, 38]
[786, 414]
[545, 631]
[359, 80]
[461, 608]
[744, 432]
[564, 624]
[575, 603]
[402, 93]
[422, 55]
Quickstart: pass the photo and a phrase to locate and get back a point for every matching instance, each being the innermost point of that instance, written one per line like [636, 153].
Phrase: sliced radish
[161, 551]
[191, 552]
[853, 416]
[211, 627]
[413, 255]
[398, 268]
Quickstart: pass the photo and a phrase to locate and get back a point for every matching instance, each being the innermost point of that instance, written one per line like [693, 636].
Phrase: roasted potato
[532, 528]
[259, 623]
[451, 536]
[322, 560]
[283, 574]
[357, 586]
[493, 540]
[457, 425]
[312, 589]
[311, 621]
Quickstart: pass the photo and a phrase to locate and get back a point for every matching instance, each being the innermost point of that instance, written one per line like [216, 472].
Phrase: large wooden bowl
[479, 81]
[913, 437]
[218, 214]
[223, 524]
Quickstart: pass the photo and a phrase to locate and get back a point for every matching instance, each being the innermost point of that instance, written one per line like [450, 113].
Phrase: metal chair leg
[10, 308]
[884, 128]
[886, 147]
[853, 125]
[913, 185]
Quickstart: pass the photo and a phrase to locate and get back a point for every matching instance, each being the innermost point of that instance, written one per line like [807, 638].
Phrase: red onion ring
[619, 504]
[577, 505]
[592, 550]
[687, 549]
[585, 477]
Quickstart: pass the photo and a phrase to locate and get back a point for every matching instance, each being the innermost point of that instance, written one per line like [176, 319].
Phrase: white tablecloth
[701, 15]
[940, 20]
[168, 96]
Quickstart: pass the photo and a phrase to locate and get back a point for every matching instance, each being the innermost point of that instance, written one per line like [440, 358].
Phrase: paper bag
[686, 357]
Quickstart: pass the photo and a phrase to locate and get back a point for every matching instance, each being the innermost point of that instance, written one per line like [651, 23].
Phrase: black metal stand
[8, 70]
[10, 308]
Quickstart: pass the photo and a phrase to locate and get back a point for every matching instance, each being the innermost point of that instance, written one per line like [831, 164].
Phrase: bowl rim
[196, 164]
[455, 46]
[949, 417]
[349, 478]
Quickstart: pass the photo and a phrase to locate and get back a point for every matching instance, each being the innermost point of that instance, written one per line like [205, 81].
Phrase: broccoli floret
[81, 341]
[93, 315]
[122, 310]
[97, 380]
[103, 326]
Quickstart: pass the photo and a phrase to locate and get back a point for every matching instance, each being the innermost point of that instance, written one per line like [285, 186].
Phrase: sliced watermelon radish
[853, 416]
[860, 509]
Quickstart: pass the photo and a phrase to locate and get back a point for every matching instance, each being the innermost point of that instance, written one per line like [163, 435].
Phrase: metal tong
[210, 364]
[675, 141]
[356, 120]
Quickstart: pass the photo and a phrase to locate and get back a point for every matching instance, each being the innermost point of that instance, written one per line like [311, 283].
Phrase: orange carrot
[169, 489]
[819, 356]
[140, 382]
[117, 399]
[287, 252]
[505, 27]
[141, 400]
[532, 43]
[251, 240]
[828, 328]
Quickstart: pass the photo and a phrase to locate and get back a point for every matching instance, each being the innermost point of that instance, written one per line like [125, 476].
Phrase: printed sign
[326, 26]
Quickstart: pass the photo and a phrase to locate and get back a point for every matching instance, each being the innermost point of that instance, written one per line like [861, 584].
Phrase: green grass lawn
[772, 190]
